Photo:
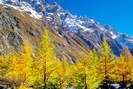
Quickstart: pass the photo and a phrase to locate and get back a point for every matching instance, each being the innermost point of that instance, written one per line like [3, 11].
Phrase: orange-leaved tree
[122, 71]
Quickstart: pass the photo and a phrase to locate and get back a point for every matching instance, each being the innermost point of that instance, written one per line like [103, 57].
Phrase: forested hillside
[42, 70]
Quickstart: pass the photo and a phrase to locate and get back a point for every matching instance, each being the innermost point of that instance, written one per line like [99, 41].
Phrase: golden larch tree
[20, 67]
[44, 64]
[122, 70]
[87, 71]
[106, 57]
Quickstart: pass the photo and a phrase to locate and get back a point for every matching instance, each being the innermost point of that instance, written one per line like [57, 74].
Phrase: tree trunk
[85, 82]
[123, 81]
[105, 74]
[44, 68]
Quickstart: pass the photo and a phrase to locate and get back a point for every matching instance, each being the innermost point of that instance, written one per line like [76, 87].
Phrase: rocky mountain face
[72, 35]
[89, 30]
[16, 27]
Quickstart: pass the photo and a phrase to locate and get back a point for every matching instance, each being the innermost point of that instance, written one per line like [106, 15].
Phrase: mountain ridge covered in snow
[89, 30]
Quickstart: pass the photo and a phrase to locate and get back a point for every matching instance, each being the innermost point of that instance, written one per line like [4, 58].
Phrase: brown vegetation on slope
[23, 27]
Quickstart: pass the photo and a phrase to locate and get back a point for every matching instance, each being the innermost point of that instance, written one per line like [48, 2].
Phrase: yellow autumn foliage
[42, 70]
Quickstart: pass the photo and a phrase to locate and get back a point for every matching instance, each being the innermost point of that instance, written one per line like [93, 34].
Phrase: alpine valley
[43, 46]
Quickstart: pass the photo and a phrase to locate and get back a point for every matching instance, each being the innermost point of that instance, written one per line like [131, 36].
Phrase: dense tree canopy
[40, 69]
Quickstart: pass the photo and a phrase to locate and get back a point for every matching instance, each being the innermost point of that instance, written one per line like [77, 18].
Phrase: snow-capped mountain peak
[32, 7]
[89, 30]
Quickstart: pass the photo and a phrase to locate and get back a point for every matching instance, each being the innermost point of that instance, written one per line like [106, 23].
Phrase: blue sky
[117, 13]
